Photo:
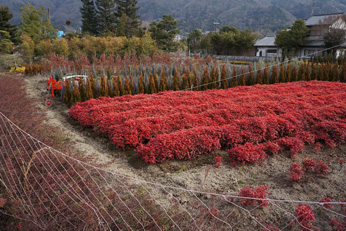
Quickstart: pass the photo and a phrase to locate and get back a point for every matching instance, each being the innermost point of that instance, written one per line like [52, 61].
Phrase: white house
[266, 47]
[318, 25]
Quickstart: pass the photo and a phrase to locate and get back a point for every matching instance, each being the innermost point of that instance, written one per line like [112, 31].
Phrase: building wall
[268, 52]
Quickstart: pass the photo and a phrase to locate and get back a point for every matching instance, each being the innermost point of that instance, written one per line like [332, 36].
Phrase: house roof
[268, 41]
[317, 19]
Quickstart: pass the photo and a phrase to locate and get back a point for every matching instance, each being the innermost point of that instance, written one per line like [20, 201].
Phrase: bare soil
[200, 174]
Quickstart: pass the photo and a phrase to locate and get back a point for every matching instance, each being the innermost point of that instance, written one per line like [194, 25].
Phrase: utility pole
[313, 7]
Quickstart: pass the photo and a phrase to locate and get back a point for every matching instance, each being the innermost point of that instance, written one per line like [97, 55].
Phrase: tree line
[228, 41]
[110, 16]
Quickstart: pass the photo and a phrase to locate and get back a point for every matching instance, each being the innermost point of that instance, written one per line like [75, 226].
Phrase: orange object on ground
[52, 85]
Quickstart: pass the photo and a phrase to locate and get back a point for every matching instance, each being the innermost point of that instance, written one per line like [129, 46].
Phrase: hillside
[260, 15]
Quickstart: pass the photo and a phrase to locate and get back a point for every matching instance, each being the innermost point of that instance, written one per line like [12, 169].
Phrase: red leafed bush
[217, 161]
[305, 217]
[258, 193]
[247, 153]
[271, 147]
[260, 120]
[321, 168]
[318, 146]
[296, 172]
[181, 145]
[338, 226]
[294, 144]
[325, 202]
[308, 164]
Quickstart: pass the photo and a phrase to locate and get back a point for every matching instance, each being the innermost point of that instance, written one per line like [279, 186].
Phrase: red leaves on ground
[260, 192]
[321, 168]
[217, 161]
[247, 153]
[325, 201]
[305, 217]
[308, 164]
[296, 172]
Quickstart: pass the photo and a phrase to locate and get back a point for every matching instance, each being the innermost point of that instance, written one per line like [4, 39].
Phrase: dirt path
[82, 139]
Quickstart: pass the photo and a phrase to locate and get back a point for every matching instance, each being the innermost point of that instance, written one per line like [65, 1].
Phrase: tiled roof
[268, 41]
[317, 19]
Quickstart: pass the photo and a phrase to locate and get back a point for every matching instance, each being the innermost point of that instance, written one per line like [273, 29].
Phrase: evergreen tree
[274, 77]
[76, 94]
[89, 17]
[224, 82]
[93, 86]
[326, 72]
[127, 88]
[163, 81]
[195, 83]
[108, 90]
[132, 86]
[5, 42]
[217, 78]
[343, 73]
[175, 85]
[121, 25]
[294, 73]
[266, 75]
[313, 72]
[103, 86]
[282, 74]
[242, 81]
[249, 79]
[320, 73]
[82, 91]
[213, 78]
[301, 72]
[120, 85]
[141, 84]
[164, 33]
[127, 18]
[89, 91]
[308, 72]
[67, 93]
[115, 91]
[36, 23]
[205, 79]
[156, 81]
[288, 73]
[335, 73]
[5, 17]
[259, 75]
[234, 81]
[151, 86]
[105, 13]
[185, 80]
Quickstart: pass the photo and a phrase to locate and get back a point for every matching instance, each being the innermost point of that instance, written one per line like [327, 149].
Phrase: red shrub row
[249, 121]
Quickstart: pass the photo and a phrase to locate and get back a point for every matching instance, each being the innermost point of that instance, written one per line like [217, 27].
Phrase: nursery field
[261, 157]
[251, 123]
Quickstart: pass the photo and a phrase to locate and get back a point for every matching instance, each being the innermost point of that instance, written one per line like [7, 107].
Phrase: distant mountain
[260, 15]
